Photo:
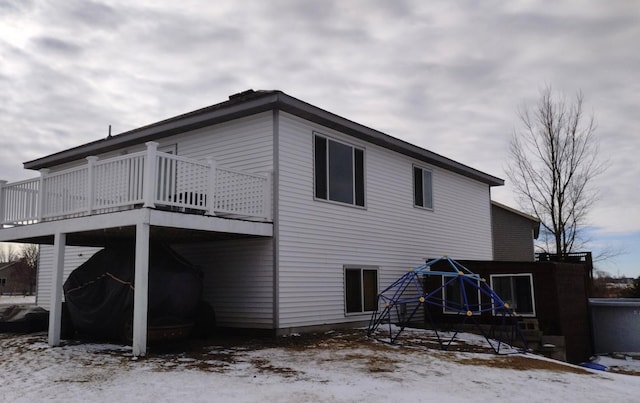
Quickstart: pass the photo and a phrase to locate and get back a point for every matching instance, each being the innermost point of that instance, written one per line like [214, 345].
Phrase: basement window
[339, 172]
[361, 289]
[515, 290]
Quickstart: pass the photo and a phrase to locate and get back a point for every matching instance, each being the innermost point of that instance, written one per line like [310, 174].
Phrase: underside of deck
[173, 227]
[141, 226]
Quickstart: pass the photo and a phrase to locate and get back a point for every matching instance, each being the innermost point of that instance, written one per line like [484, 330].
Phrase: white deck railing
[148, 178]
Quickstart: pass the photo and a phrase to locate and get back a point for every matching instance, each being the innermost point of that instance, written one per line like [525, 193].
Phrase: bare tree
[553, 161]
[8, 253]
[30, 255]
[26, 275]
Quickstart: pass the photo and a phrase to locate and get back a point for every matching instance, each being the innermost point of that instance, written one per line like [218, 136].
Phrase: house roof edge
[251, 102]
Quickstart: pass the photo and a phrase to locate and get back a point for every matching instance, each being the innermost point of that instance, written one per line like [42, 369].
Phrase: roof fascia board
[514, 211]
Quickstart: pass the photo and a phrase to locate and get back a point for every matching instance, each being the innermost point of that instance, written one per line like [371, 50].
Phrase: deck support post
[55, 309]
[141, 292]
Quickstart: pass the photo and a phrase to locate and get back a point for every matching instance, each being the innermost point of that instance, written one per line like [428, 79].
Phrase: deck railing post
[211, 188]
[2, 201]
[42, 199]
[150, 180]
[268, 190]
[91, 185]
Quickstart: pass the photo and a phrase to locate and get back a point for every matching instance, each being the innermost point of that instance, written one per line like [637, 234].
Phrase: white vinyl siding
[74, 256]
[245, 144]
[238, 279]
[237, 282]
[238, 274]
[316, 240]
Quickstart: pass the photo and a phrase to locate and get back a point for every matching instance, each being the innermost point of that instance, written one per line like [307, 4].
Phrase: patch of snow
[618, 362]
[17, 299]
[352, 368]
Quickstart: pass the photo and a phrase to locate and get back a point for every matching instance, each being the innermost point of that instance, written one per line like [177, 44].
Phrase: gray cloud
[447, 76]
[55, 45]
[94, 14]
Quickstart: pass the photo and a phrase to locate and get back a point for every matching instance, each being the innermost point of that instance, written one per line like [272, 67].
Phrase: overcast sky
[449, 76]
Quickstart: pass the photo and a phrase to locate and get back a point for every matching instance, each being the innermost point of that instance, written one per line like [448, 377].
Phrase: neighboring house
[296, 215]
[15, 279]
[513, 234]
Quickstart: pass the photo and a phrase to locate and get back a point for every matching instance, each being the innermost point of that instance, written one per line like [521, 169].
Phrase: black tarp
[99, 293]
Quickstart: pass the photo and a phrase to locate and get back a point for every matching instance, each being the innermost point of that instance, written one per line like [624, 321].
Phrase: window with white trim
[422, 188]
[360, 289]
[460, 296]
[515, 290]
[339, 171]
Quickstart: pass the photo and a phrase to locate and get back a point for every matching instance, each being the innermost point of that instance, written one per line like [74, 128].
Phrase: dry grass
[522, 363]
[263, 365]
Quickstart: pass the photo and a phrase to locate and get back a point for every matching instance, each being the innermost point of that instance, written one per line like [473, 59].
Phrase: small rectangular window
[338, 172]
[361, 290]
[515, 290]
[422, 188]
[460, 296]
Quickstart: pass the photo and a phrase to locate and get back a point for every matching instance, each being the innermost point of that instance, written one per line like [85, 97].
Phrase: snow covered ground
[17, 299]
[333, 367]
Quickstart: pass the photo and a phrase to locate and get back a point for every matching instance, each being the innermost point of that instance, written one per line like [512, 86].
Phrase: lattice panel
[182, 182]
[240, 193]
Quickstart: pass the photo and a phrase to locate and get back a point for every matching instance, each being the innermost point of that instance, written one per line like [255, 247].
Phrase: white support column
[91, 188]
[55, 309]
[211, 188]
[2, 183]
[141, 293]
[150, 181]
[42, 199]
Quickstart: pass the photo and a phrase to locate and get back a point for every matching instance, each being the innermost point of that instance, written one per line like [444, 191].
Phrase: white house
[300, 215]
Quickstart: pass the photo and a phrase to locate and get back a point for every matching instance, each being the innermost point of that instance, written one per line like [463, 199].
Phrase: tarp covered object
[99, 293]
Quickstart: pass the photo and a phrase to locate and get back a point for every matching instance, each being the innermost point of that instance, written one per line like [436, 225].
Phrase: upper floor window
[422, 188]
[339, 171]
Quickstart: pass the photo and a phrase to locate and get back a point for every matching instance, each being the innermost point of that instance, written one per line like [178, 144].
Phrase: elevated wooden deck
[100, 191]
